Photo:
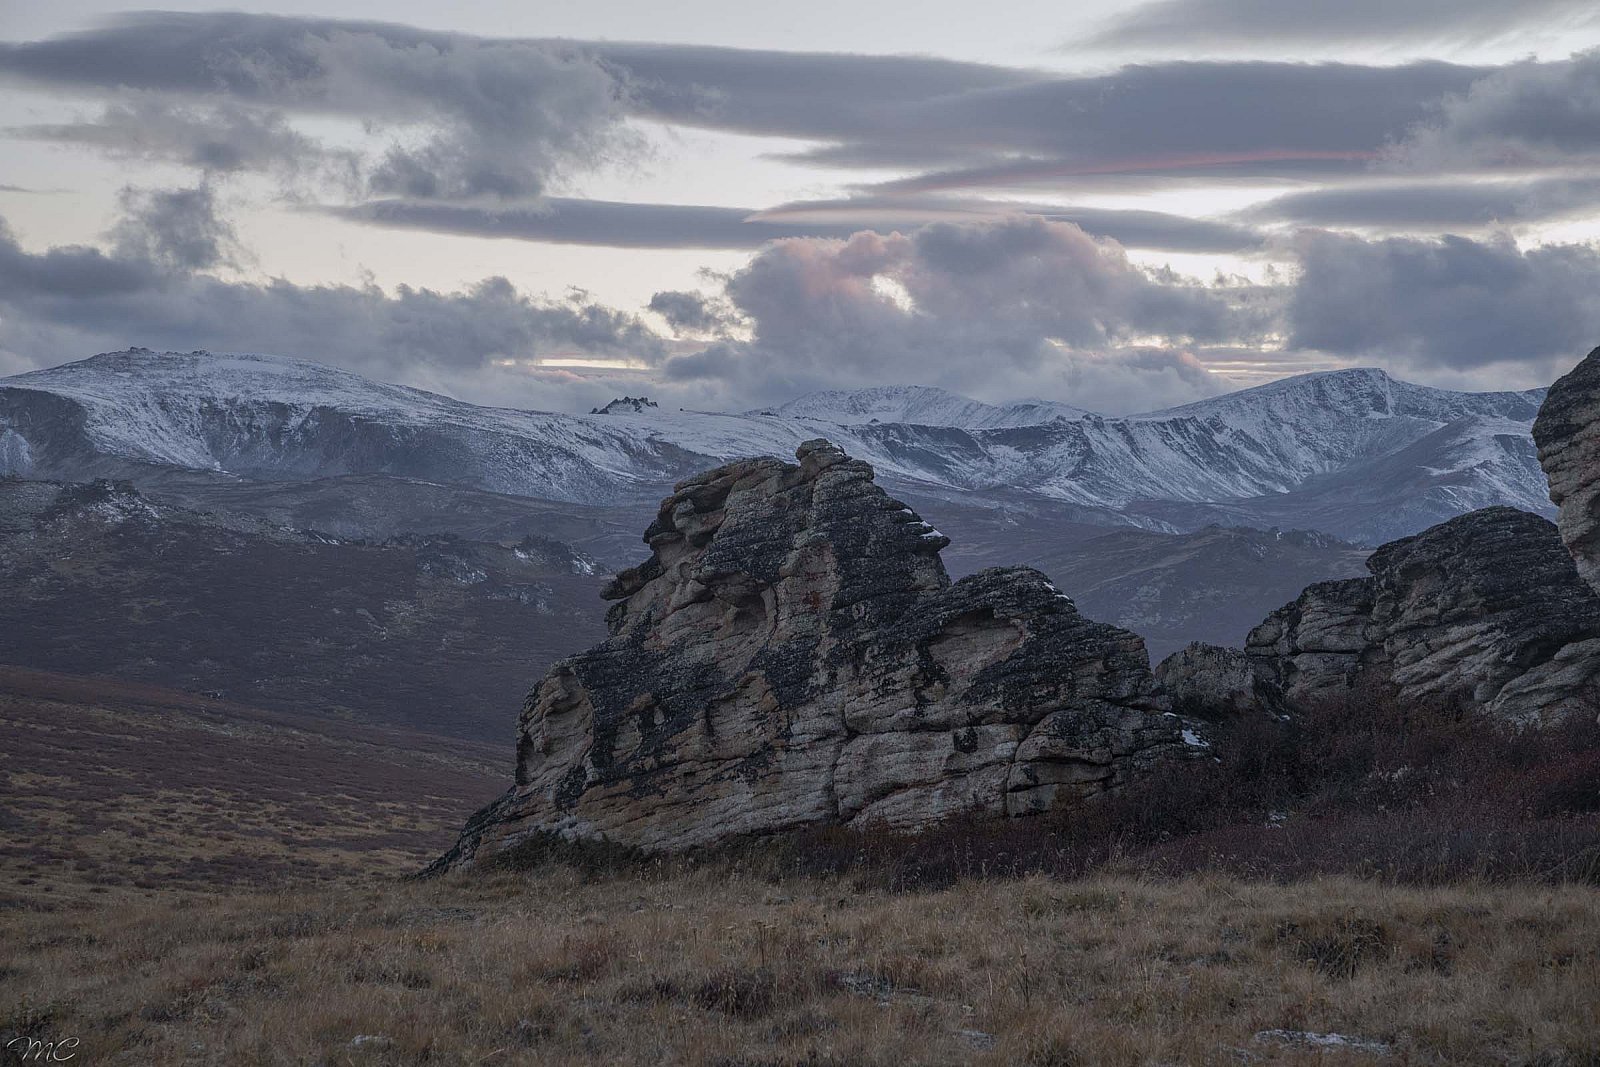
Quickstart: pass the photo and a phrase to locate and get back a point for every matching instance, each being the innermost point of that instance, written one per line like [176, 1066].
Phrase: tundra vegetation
[1364, 883]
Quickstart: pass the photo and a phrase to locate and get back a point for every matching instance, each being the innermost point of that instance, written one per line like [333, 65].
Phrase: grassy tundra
[189, 883]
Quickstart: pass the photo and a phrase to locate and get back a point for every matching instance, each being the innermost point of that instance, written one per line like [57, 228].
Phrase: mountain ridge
[253, 417]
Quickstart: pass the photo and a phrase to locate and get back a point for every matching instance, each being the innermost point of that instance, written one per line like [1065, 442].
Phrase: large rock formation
[1485, 610]
[1567, 432]
[794, 653]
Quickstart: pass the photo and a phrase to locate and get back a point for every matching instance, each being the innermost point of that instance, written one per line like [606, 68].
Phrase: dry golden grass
[713, 966]
[137, 827]
[109, 789]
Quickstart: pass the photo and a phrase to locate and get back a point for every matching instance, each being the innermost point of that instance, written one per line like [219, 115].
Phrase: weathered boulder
[1567, 432]
[1485, 610]
[1212, 682]
[793, 653]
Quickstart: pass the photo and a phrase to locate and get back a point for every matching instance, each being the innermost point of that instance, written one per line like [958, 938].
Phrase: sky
[1122, 206]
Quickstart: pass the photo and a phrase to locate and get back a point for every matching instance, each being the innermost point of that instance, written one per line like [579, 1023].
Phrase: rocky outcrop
[1567, 432]
[1485, 610]
[1209, 682]
[793, 653]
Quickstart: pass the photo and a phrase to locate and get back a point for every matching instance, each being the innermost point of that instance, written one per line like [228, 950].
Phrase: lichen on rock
[793, 653]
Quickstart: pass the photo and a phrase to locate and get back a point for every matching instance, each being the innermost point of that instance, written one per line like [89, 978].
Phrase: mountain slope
[137, 413]
[920, 405]
[432, 632]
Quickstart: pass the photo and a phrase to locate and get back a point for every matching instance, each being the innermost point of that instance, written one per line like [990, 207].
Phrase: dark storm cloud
[1434, 204]
[631, 225]
[1447, 303]
[1250, 24]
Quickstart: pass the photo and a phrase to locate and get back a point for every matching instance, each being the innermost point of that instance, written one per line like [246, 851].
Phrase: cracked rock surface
[793, 653]
[1485, 610]
[1567, 432]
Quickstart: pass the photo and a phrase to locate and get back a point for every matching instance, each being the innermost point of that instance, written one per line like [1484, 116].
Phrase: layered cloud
[960, 242]
[464, 116]
[631, 225]
[502, 116]
[1248, 24]
[1435, 204]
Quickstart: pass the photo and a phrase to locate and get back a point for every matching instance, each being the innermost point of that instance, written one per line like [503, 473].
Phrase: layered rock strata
[1486, 610]
[1567, 432]
[793, 653]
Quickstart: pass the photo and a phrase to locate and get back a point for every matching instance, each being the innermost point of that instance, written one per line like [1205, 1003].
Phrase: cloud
[634, 225]
[1433, 205]
[505, 117]
[465, 116]
[691, 313]
[1527, 113]
[1250, 24]
[589, 222]
[1130, 228]
[1445, 304]
[176, 229]
[216, 139]
[479, 342]
[1012, 306]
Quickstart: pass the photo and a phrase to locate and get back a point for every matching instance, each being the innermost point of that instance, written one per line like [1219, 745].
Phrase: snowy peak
[124, 377]
[919, 405]
[1359, 392]
[1319, 439]
[623, 405]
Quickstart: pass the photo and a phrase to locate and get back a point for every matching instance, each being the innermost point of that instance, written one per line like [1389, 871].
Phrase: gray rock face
[1567, 432]
[1209, 681]
[1486, 609]
[794, 653]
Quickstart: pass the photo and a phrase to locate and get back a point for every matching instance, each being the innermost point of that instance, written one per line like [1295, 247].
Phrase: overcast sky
[1118, 205]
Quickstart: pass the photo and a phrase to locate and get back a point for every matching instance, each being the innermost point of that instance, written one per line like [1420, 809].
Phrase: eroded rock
[793, 653]
[1567, 432]
[1486, 610]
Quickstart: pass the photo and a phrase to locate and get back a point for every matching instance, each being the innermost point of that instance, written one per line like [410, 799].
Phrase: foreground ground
[712, 966]
[185, 881]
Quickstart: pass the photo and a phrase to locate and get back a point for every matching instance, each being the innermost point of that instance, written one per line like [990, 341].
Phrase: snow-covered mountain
[919, 405]
[1303, 444]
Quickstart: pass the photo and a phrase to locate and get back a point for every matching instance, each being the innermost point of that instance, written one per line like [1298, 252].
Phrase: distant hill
[432, 632]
